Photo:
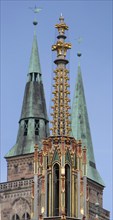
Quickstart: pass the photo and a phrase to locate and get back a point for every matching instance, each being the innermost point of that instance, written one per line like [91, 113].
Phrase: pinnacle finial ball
[79, 54]
[35, 22]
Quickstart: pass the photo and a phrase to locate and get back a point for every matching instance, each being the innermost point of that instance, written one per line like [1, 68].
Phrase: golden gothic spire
[61, 116]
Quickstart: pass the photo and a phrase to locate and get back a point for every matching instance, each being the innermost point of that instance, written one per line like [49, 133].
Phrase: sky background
[91, 20]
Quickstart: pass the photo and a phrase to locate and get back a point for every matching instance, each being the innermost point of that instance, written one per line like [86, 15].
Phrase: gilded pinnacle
[61, 108]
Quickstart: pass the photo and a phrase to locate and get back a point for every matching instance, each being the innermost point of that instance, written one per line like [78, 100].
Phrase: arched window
[56, 190]
[67, 189]
[15, 217]
[30, 166]
[25, 127]
[16, 168]
[47, 194]
[37, 127]
[25, 216]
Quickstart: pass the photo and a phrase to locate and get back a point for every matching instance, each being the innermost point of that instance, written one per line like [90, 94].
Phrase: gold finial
[62, 27]
[61, 18]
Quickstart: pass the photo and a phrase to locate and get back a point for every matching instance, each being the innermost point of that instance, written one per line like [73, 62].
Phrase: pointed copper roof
[33, 123]
[34, 65]
[81, 128]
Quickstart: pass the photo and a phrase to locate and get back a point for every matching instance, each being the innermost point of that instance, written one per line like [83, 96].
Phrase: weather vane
[36, 10]
[79, 40]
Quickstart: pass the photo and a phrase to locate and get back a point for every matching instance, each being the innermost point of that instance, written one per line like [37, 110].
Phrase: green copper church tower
[81, 128]
[52, 172]
[33, 123]
[81, 131]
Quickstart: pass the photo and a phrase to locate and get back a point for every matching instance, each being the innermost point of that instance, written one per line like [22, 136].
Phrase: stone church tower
[52, 175]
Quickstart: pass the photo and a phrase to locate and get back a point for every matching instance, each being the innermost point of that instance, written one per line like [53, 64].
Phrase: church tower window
[15, 217]
[37, 126]
[30, 166]
[56, 190]
[46, 128]
[16, 168]
[25, 127]
[47, 194]
[26, 216]
[67, 189]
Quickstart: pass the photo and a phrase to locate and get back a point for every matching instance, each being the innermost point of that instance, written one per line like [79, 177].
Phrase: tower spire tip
[61, 18]
[36, 10]
[79, 54]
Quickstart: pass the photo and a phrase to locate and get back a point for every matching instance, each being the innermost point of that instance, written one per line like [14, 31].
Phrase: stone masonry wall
[95, 193]
[20, 167]
[15, 198]
[96, 196]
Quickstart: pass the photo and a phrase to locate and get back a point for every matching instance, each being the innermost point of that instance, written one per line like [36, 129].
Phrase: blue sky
[92, 20]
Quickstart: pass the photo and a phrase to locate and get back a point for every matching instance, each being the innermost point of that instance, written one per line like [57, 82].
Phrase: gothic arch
[15, 217]
[56, 172]
[26, 215]
[68, 157]
[67, 189]
[21, 198]
[20, 206]
[56, 157]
